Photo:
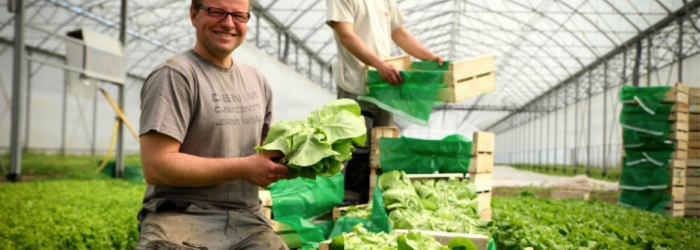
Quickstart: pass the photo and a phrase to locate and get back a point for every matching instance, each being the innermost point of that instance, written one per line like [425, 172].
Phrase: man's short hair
[196, 2]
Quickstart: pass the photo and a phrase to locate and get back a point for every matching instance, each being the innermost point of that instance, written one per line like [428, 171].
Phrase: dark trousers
[357, 170]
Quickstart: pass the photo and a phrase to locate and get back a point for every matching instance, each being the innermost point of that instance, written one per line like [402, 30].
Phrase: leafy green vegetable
[359, 212]
[525, 221]
[461, 243]
[443, 205]
[318, 144]
[365, 240]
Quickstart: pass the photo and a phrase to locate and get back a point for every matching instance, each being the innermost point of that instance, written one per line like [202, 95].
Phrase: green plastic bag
[305, 197]
[431, 65]
[413, 100]
[650, 200]
[642, 171]
[647, 97]
[416, 156]
[641, 127]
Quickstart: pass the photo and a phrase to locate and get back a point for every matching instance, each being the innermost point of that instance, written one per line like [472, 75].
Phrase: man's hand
[390, 74]
[262, 171]
[437, 58]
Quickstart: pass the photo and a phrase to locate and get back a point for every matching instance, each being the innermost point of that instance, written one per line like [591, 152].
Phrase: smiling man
[202, 113]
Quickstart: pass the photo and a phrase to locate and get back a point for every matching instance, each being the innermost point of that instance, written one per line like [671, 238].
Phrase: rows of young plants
[527, 221]
[70, 214]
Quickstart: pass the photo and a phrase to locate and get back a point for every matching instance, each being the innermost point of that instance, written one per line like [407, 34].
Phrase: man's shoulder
[249, 69]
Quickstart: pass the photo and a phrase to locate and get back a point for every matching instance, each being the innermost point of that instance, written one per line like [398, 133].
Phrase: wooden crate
[483, 181]
[678, 117]
[680, 145]
[693, 153]
[559, 194]
[677, 94]
[402, 62]
[677, 163]
[484, 199]
[694, 119]
[678, 194]
[693, 213]
[377, 134]
[675, 212]
[468, 78]
[694, 144]
[693, 163]
[481, 163]
[678, 136]
[485, 214]
[694, 108]
[694, 136]
[480, 241]
[678, 177]
[483, 142]
[694, 95]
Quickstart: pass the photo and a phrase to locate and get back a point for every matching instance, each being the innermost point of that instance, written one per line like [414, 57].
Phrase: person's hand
[390, 74]
[437, 58]
[262, 171]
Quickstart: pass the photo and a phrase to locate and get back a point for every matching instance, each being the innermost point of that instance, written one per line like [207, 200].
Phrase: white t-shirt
[373, 20]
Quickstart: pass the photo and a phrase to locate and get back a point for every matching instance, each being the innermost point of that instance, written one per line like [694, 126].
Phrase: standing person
[202, 115]
[363, 31]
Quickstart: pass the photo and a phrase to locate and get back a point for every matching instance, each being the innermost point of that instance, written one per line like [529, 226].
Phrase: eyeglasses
[220, 14]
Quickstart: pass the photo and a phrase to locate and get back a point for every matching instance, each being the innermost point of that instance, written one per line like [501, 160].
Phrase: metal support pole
[64, 120]
[590, 120]
[650, 45]
[540, 157]
[575, 153]
[566, 130]
[605, 118]
[309, 69]
[548, 151]
[94, 120]
[17, 95]
[637, 61]
[119, 173]
[680, 49]
[556, 129]
[279, 44]
[27, 117]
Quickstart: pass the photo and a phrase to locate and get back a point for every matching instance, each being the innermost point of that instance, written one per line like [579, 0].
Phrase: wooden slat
[692, 181]
[694, 144]
[676, 97]
[472, 67]
[694, 163]
[468, 89]
[692, 212]
[680, 154]
[680, 87]
[481, 163]
[694, 153]
[485, 214]
[692, 172]
[693, 136]
[483, 142]
[677, 136]
[338, 211]
[402, 62]
[678, 117]
[484, 200]
[675, 205]
[675, 163]
[482, 181]
[678, 177]
[680, 145]
[266, 198]
[480, 241]
[680, 126]
[678, 194]
[692, 205]
[675, 213]
[377, 134]
[694, 108]
[695, 119]
[692, 191]
[415, 177]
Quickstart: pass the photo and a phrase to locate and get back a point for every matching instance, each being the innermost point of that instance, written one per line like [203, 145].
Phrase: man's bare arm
[412, 46]
[163, 164]
[350, 40]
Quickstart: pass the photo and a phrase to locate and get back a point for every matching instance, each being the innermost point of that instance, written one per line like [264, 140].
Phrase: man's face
[220, 37]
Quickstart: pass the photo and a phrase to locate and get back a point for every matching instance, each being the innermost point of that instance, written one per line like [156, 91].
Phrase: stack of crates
[678, 96]
[481, 170]
[692, 191]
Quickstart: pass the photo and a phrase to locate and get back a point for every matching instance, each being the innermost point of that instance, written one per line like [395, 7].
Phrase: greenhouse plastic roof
[537, 43]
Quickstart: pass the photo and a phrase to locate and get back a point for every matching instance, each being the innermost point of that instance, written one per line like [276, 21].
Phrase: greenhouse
[350, 124]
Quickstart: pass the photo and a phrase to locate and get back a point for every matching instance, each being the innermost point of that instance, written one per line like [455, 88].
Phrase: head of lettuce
[320, 143]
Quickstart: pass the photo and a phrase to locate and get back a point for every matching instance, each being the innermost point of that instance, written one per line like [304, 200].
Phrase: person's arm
[163, 164]
[350, 40]
[412, 46]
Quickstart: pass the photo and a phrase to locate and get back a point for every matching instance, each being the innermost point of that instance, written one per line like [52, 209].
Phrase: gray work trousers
[195, 228]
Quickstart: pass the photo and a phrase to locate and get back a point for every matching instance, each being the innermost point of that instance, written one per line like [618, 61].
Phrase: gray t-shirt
[214, 112]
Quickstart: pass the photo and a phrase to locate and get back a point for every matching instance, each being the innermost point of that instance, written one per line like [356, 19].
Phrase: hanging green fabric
[431, 65]
[650, 200]
[416, 156]
[412, 100]
[645, 170]
[647, 97]
[641, 127]
[305, 197]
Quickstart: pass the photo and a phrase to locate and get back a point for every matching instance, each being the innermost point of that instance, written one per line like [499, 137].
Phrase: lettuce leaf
[320, 143]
